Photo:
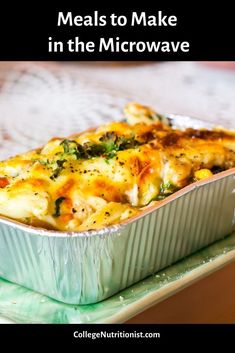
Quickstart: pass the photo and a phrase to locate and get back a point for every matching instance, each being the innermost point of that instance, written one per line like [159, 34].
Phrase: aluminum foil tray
[87, 267]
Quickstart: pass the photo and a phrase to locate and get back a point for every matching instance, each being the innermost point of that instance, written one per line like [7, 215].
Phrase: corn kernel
[202, 174]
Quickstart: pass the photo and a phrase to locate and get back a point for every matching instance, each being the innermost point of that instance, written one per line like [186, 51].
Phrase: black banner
[180, 336]
[83, 32]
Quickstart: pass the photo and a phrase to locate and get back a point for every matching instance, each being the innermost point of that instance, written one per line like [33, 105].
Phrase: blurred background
[43, 99]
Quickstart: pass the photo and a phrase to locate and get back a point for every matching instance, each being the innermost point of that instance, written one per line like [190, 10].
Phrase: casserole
[111, 173]
[89, 266]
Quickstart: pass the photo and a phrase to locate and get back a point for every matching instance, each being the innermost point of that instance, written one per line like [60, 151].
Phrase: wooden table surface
[211, 300]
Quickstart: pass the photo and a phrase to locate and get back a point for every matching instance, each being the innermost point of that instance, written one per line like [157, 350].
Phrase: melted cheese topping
[105, 175]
